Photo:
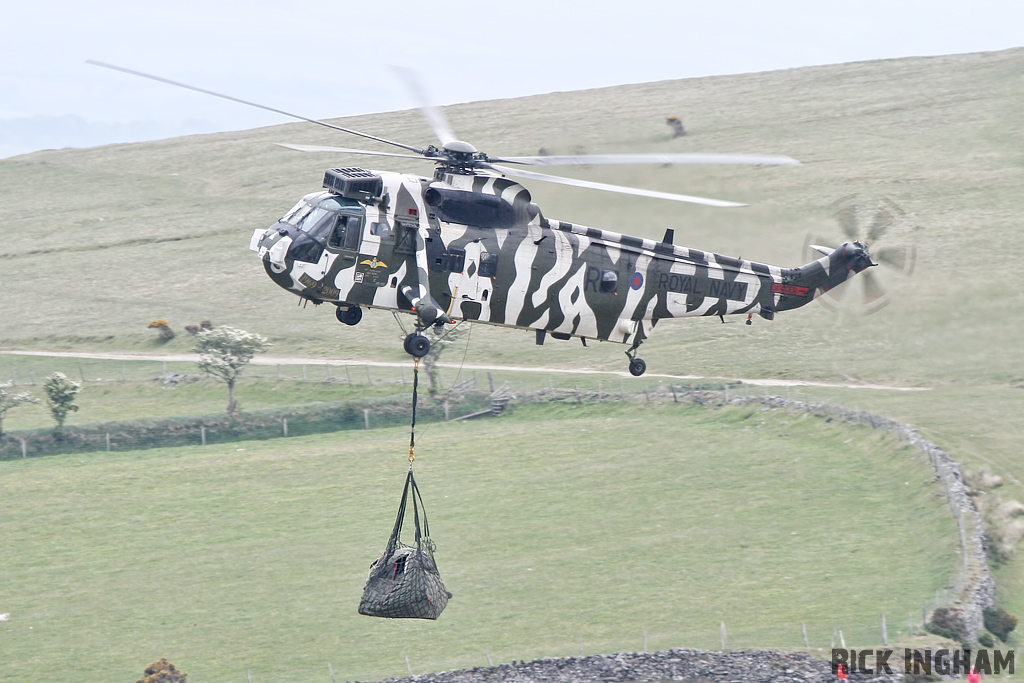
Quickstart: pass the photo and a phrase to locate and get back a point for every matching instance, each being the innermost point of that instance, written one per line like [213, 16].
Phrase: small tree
[60, 396]
[10, 400]
[224, 353]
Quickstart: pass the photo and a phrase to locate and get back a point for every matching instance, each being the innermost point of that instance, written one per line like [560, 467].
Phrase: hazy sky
[330, 58]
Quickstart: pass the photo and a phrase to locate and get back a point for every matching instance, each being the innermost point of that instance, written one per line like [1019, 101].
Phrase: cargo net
[404, 582]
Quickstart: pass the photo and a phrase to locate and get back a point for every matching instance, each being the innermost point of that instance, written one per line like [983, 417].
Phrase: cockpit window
[347, 232]
[297, 212]
[318, 223]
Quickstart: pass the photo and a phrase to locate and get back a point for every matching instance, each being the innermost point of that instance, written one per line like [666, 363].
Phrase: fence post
[284, 423]
[329, 378]
[122, 372]
[447, 409]
[108, 441]
[348, 378]
[303, 372]
[803, 626]
[645, 642]
[82, 372]
[726, 393]
[369, 380]
[403, 378]
[490, 380]
[31, 375]
[675, 399]
[723, 636]
[202, 433]
[885, 632]
[842, 641]
[366, 417]
[24, 449]
[278, 372]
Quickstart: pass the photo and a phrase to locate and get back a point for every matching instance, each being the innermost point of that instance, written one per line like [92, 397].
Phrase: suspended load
[404, 582]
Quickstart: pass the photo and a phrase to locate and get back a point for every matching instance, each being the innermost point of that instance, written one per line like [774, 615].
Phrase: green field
[555, 524]
[212, 556]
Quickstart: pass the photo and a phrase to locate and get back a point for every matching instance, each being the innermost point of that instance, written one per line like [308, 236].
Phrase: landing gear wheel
[350, 316]
[637, 367]
[416, 345]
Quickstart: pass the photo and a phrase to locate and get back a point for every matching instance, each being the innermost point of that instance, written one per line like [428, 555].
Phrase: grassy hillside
[554, 525]
[99, 242]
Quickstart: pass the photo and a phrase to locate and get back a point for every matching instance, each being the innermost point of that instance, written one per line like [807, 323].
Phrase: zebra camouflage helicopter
[468, 244]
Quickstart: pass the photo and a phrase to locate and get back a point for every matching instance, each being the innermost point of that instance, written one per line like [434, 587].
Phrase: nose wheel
[350, 316]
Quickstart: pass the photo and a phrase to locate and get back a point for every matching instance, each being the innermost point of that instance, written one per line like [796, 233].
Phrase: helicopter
[467, 243]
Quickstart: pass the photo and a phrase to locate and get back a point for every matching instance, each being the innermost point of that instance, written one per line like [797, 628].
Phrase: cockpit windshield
[298, 212]
[318, 223]
[326, 219]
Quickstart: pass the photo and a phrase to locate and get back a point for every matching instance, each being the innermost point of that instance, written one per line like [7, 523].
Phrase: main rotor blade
[663, 159]
[251, 104]
[346, 150]
[575, 182]
[432, 114]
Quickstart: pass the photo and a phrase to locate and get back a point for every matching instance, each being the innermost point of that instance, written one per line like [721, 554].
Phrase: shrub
[999, 622]
[164, 328]
[948, 623]
[163, 672]
[986, 640]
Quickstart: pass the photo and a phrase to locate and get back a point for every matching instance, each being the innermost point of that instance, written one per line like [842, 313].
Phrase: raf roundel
[637, 281]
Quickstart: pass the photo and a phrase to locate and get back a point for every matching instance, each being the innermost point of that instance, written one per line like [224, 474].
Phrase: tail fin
[802, 285]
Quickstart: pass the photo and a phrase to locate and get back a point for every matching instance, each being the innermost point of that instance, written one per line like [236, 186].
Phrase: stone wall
[975, 589]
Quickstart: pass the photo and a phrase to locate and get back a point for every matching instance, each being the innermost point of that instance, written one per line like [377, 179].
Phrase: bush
[163, 672]
[948, 623]
[999, 622]
[986, 640]
[163, 328]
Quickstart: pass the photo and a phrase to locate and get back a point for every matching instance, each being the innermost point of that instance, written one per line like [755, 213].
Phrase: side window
[456, 260]
[609, 280]
[488, 265]
[337, 237]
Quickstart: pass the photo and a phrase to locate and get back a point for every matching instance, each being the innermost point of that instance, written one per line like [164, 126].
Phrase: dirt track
[275, 360]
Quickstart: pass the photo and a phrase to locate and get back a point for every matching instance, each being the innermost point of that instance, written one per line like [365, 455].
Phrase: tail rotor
[879, 226]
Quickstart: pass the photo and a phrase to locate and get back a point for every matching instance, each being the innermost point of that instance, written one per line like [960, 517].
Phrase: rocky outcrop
[684, 665]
